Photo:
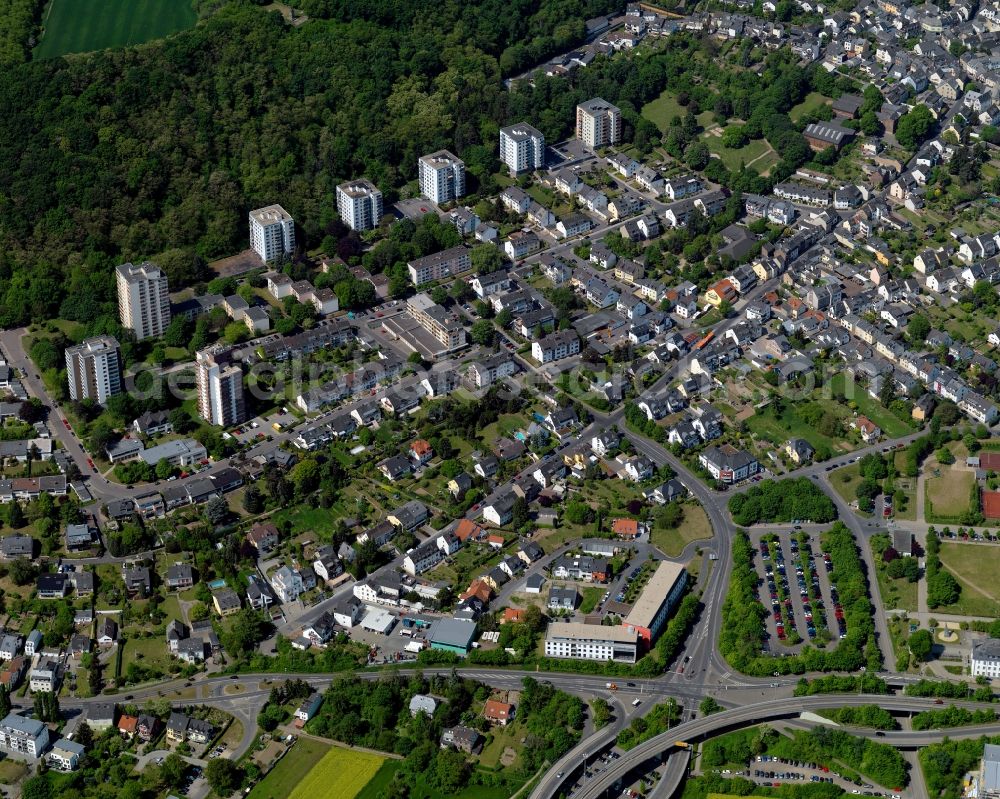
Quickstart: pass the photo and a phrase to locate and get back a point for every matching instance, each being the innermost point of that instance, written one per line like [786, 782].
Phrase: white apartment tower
[359, 204]
[94, 369]
[143, 299]
[220, 387]
[522, 148]
[272, 232]
[442, 177]
[598, 123]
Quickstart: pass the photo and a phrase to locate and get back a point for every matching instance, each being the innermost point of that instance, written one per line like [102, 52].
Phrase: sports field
[341, 774]
[79, 26]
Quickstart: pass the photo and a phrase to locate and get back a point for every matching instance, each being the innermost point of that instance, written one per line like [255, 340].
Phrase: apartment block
[440, 265]
[598, 123]
[220, 387]
[522, 148]
[359, 204]
[23, 736]
[436, 321]
[94, 369]
[442, 177]
[143, 299]
[272, 233]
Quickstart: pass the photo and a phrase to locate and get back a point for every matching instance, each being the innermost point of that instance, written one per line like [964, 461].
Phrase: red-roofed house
[468, 530]
[421, 451]
[496, 541]
[127, 725]
[869, 430]
[513, 615]
[627, 528]
[721, 292]
[498, 712]
[479, 589]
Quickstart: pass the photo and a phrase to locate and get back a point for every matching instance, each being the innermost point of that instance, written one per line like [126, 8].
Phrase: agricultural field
[342, 773]
[79, 26]
[286, 774]
[975, 567]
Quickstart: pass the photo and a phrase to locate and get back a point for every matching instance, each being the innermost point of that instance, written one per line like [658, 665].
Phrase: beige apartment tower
[220, 387]
[598, 123]
[143, 299]
[94, 369]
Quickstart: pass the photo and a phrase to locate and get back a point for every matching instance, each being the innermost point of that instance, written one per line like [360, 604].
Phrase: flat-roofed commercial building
[656, 602]
[591, 642]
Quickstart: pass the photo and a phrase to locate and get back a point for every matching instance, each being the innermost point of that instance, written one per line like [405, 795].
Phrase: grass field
[950, 492]
[282, 779]
[845, 481]
[79, 26]
[661, 110]
[813, 101]
[892, 426]
[694, 527]
[375, 787]
[341, 774]
[975, 567]
[591, 596]
[751, 153]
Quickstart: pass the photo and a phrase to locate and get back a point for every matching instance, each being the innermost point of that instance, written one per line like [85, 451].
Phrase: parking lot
[773, 771]
[795, 587]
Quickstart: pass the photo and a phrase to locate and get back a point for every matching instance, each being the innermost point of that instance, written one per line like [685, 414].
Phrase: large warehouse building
[651, 610]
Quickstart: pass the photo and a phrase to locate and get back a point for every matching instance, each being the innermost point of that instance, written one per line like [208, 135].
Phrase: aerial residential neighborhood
[416, 401]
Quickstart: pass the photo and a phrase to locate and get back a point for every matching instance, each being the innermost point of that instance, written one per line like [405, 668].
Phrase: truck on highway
[612, 686]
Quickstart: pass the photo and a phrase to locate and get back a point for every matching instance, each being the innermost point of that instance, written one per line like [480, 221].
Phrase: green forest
[158, 151]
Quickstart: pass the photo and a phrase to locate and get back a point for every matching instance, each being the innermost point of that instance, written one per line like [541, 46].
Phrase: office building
[359, 204]
[444, 327]
[272, 233]
[651, 610]
[598, 123]
[442, 177]
[220, 387]
[522, 148]
[591, 642]
[94, 369]
[143, 299]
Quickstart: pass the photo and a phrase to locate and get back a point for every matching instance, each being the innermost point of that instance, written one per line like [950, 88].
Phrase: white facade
[442, 177]
[591, 642]
[23, 735]
[272, 232]
[220, 389]
[598, 123]
[985, 659]
[522, 148]
[94, 369]
[359, 204]
[143, 299]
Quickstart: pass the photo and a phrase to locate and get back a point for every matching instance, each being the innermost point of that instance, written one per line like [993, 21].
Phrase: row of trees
[942, 587]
